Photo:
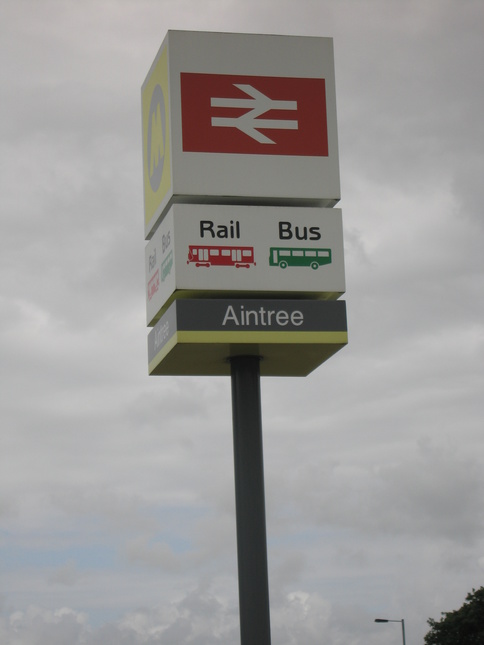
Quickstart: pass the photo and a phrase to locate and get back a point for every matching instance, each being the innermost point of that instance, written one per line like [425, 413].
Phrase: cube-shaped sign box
[202, 250]
[239, 118]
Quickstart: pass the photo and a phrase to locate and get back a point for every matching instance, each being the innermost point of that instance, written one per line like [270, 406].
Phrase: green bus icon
[287, 257]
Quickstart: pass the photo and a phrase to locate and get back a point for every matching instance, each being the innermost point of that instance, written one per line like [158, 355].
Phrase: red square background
[310, 138]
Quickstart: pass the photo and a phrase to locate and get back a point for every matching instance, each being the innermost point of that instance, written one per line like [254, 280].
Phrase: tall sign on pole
[244, 256]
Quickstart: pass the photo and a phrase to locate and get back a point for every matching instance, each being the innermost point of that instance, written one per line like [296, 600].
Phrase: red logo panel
[254, 115]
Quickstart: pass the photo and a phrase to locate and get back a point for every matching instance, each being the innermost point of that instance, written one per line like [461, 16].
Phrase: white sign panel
[243, 118]
[285, 251]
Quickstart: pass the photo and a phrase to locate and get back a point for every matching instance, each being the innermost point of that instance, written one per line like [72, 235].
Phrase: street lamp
[387, 620]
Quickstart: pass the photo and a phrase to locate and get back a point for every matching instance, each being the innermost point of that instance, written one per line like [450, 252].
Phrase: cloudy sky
[116, 489]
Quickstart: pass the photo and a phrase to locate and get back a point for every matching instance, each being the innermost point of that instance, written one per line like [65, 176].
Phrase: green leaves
[464, 626]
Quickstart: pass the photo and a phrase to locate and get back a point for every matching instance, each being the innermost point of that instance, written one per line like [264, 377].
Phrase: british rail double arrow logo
[258, 105]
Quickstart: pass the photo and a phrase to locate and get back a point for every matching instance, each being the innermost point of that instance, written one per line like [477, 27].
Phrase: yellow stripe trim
[271, 337]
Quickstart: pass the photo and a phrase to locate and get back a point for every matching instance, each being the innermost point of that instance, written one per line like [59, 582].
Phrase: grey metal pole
[249, 502]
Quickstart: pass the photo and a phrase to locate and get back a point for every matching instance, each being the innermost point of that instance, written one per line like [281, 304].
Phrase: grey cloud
[66, 575]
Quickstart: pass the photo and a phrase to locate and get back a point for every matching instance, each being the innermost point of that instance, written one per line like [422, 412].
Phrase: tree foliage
[464, 626]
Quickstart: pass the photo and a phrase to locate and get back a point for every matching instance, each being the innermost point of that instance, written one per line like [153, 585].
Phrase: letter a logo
[156, 141]
[156, 138]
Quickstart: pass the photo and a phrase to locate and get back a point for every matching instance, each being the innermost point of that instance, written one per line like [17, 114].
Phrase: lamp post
[387, 620]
